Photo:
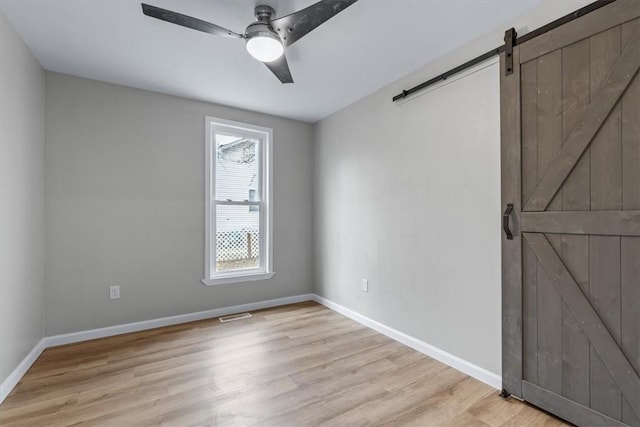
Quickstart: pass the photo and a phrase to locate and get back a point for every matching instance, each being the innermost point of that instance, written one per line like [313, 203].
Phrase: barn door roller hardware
[513, 39]
[509, 41]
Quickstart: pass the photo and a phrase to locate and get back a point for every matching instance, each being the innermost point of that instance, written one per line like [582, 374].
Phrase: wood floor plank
[297, 365]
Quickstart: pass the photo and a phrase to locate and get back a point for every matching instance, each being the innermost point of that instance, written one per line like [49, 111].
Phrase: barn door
[571, 170]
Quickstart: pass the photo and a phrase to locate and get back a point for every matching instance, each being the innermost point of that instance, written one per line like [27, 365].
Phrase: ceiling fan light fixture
[263, 43]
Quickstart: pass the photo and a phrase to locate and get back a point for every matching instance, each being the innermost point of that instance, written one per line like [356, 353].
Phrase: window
[238, 203]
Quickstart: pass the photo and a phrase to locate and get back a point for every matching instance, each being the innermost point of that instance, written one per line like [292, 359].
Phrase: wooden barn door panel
[571, 168]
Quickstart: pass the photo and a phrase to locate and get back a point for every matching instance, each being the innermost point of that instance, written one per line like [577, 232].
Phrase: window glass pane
[237, 168]
[237, 238]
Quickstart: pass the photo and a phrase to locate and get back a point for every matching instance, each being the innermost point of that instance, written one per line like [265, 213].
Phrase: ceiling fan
[267, 37]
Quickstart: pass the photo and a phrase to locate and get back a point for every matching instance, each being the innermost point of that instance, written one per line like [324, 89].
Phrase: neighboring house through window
[238, 202]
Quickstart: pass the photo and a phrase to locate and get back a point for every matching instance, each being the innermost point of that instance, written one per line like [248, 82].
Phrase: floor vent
[233, 317]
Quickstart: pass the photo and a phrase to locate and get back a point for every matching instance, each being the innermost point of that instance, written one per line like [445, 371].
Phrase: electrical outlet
[114, 292]
[365, 285]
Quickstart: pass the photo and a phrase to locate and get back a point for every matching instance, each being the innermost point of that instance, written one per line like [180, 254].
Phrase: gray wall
[22, 95]
[410, 199]
[125, 206]
[407, 195]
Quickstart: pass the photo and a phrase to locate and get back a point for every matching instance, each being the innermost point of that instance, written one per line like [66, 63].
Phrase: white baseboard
[14, 377]
[464, 366]
[126, 328]
[12, 380]
[455, 362]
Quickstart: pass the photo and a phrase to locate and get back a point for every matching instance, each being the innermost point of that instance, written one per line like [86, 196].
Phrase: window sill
[223, 280]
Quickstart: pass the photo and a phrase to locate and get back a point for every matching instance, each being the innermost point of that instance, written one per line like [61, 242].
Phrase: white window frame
[265, 271]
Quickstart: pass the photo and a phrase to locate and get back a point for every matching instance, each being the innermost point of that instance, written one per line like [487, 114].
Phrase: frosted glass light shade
[265, 48]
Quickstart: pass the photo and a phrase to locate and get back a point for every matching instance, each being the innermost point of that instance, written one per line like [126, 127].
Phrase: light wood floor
[291, 366]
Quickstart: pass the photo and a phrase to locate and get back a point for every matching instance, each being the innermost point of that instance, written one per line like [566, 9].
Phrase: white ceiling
[367, 46]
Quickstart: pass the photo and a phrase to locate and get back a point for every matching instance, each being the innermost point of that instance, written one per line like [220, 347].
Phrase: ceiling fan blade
[297, 25]
[187, 21]
[280, 68]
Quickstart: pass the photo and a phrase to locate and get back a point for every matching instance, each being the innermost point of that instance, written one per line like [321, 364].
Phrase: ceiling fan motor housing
[262, 27]
[263, 42]
[264, 13]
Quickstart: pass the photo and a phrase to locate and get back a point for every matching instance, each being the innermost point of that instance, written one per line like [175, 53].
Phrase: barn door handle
[506, 216]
